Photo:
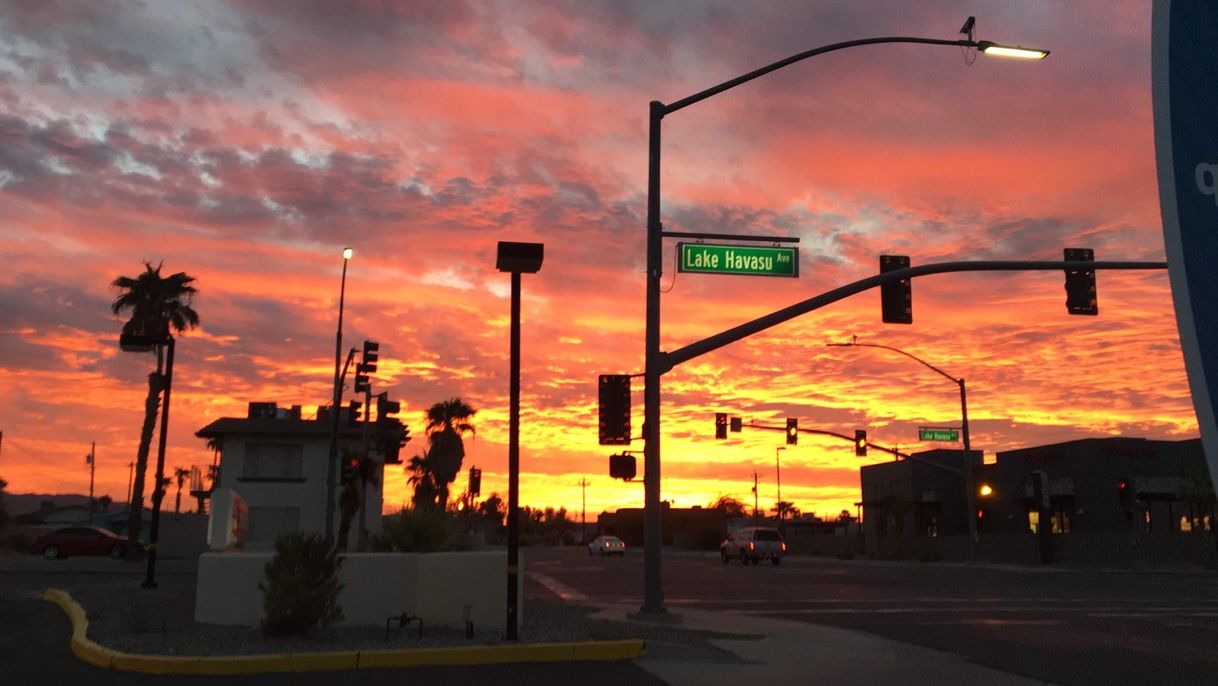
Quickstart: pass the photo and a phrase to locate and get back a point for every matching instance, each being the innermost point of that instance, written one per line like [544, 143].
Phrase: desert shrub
[300, 592]
[413, 531]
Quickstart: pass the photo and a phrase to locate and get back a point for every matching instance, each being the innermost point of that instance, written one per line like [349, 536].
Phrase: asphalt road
[1062, 626]
[34, 647]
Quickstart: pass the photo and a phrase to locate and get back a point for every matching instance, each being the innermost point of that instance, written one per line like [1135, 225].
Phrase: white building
[276, 461]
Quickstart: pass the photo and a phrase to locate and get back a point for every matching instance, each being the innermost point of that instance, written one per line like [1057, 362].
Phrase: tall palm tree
[447, 421]
[158, 305]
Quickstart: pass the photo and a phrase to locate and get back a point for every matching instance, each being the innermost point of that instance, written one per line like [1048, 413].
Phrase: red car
[82, 540]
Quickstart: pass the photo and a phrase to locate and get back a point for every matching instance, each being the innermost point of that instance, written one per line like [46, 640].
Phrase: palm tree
[426, 493]
[158, 305]
[447, 421]
[180, 473]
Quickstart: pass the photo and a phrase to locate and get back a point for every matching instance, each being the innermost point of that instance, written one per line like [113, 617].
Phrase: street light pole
[657, 363]
[332, 461]
[515, 258]
[970, 498]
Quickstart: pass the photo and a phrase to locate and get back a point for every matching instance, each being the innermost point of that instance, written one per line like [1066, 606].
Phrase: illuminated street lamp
[332, 462]
[655, 364]
[986, 491]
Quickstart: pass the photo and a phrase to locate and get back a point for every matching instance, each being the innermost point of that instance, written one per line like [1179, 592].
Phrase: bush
[413, 531]
[300, 595]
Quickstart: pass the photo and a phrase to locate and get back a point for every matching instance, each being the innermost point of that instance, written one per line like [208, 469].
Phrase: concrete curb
[100, 656]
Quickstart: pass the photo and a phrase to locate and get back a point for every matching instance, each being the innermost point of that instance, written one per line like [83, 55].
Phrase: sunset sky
[246, 143]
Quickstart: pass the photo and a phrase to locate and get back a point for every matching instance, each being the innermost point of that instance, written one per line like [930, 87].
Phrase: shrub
[300, 594]
[417, 531]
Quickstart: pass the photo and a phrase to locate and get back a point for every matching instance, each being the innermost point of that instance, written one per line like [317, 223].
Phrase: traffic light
[1125, 493]
[371, 355]
[361, 378]
[614, 409]
[386, 407]
[475, 481]
[720, 425]
[896, 297]
[391, 433]
[622, 466]
[736, 424]
[350, 468]
[860, 442]
[792, 431]
[353, 412]
[1080, 283]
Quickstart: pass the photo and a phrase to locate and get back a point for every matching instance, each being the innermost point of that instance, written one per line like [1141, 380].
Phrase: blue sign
[1184, 63]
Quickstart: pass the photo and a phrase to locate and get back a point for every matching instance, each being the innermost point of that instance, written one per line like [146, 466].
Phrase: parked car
[607, 545]
[752, 545]
[82, 540]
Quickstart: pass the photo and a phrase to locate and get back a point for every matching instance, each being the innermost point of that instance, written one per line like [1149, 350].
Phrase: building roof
[274, 426]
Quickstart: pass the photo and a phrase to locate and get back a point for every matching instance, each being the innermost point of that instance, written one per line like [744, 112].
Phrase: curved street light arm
[911, 356]
[745, 78]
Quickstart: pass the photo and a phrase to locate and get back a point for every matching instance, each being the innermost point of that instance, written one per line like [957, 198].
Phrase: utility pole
[583, 511]
[130, 473]
[754, 496]
[92, 460]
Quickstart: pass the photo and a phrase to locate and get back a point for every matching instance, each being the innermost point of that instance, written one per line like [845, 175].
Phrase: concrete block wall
[435, 586]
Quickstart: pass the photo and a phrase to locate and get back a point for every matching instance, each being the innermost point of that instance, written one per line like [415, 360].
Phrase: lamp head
[1018, 51]
[346, 253]
[519, 257]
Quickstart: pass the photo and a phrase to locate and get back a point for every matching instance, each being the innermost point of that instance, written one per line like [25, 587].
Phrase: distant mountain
[24, 503]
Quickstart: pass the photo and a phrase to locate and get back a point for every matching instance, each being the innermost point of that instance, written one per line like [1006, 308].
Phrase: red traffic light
[1122, 485]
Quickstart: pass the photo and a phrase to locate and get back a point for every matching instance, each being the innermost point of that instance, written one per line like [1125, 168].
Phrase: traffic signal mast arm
[891, 451]
[672, 359]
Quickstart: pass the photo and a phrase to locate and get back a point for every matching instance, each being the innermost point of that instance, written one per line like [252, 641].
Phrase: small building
[1099, 497]
[688, 528]
[1100, 485]
[277, 462]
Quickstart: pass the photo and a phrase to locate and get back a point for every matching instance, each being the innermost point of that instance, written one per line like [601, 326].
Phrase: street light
[655, 364]
[332, 462]
[515, 258]
[969, 494]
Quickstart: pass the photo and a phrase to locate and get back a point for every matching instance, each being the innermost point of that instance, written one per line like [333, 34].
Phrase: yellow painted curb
[101, 656]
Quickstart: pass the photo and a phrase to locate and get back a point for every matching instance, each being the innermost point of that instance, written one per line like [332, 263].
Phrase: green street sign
[932, 434]
[703, 258]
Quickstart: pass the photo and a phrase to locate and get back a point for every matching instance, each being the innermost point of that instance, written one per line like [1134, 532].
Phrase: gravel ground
[127, 618]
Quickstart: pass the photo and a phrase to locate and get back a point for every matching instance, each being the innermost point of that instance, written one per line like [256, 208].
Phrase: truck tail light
[752, 546]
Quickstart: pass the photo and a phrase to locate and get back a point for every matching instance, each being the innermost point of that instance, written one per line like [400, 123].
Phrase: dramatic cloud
[246, 143]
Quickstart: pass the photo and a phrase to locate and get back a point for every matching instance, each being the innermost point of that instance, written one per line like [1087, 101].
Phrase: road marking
[957, 601]
[558, 588]
[1091, 612]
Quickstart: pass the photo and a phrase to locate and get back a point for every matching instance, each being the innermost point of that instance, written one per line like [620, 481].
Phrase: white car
[607, 545]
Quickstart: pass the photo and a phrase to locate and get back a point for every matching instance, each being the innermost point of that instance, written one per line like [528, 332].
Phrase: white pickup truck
[752, 545]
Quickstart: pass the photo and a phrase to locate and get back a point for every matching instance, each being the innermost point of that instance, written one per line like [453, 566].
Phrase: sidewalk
[786, 652]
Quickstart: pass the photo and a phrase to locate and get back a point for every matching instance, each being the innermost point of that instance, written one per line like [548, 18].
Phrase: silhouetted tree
[158, 305]
[731, 506]
[447, 422]
[353, 495]
[493, 508]
[785, 510]
[426, 493]
[179, 473]
[103, 503]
